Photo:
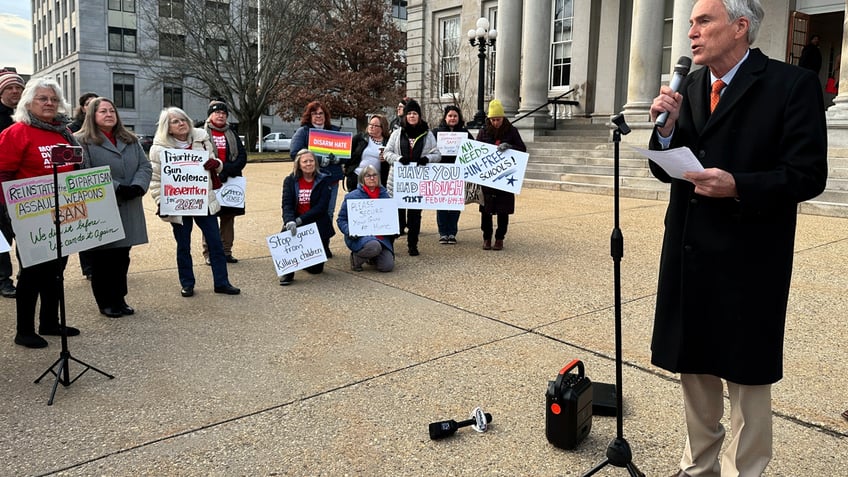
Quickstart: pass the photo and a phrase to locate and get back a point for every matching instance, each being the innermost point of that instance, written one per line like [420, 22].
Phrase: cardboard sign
[88, 213]
[372, 217]
[449, 142]
[483, 164]
[232, 193]
[296, 252]
[185, 183]
[324, 142]
[430, 187]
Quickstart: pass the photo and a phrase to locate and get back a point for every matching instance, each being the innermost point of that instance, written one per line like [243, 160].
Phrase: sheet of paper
[673, 161]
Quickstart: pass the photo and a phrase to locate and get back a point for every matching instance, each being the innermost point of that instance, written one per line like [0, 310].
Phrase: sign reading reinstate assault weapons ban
[483, 164]
[185, 183]
[296, 252]
[88, 213]
[430, 187]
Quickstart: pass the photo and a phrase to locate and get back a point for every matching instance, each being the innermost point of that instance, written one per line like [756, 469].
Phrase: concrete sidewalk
[340, 373]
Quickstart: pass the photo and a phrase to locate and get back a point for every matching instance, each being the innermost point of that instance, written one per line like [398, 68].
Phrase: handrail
[543, 105]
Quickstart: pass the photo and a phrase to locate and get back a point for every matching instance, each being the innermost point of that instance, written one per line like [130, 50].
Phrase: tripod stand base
[619, 455]
[62, 373]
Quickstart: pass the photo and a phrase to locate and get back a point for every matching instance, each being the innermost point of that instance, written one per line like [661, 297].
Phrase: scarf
[373, 194]
[59, 126]
[232, 147]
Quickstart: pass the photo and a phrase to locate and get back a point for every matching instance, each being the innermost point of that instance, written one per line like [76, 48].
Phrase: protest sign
[429, 187]
[185, 183]
[231, 194]
[296, 252]
[324, 142]
[449, 142]
[4, 245]
[372, 217]
[483, 164]
[88, 213]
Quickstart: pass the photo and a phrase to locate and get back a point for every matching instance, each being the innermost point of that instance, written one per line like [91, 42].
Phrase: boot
[487, 244]
[498, 245]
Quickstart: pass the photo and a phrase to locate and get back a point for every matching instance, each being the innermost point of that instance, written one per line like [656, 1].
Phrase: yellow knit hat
[496, 109]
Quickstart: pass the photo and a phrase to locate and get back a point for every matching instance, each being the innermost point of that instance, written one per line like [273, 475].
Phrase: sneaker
[8, 290]
[443, 240]
[452, 239]
[231, 259]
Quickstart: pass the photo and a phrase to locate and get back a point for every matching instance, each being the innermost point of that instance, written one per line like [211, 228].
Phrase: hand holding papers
[675, 162]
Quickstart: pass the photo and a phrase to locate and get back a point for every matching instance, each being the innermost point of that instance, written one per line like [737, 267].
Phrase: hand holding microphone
[681, 69]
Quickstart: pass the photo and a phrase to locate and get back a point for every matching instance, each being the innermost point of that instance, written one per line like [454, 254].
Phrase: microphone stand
[618, 451]
[63, 373]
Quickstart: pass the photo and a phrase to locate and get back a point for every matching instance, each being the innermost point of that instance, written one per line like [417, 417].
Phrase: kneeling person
[377, 250]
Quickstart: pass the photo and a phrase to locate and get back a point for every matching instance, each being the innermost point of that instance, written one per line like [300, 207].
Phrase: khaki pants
[750, 448]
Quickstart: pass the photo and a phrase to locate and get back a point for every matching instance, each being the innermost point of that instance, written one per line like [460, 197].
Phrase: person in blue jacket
[306, 192]
[376, 250]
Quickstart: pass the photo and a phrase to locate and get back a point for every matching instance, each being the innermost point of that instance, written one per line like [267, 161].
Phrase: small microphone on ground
[681, 69]
[479, 422]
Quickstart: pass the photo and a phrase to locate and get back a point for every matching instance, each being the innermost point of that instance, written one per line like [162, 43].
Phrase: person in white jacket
[175, 131]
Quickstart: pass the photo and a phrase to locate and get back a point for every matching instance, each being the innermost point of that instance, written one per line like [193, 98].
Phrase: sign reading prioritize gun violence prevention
[88, 213]
[231, 194]
[449, 142]
[483, 164]
[324, 142]
[430, 187]
[372, 217]
[296, 252]
[185, 183]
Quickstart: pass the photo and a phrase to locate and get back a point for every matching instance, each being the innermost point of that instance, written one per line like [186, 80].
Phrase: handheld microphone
[479, 422]
[681, 69]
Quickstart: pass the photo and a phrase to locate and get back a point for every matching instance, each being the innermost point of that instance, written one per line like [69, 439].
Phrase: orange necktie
[715, 94]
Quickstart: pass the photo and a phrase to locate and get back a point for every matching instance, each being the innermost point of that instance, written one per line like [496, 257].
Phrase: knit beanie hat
[217, 106]
[496, 109]
[8, 78]
[412, 105]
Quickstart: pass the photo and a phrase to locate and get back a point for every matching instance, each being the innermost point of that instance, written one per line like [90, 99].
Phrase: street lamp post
[481, 37]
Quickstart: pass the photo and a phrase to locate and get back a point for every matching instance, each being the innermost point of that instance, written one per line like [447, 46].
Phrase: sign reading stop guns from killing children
[483, 164]
[430, 187]
[296, 252]
[185, 183]
[372, 217]
[88, 213]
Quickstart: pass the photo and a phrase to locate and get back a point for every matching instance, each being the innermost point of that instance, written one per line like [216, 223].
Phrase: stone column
[680, 30]
[508, 53]
[643, 79]
[536, 46]
[837, 115]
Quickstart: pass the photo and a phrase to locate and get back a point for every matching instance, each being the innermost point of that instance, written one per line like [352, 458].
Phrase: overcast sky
[16, 35]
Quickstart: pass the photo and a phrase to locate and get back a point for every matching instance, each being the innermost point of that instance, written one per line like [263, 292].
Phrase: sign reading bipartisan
[88, 213]
[185, 184]
[483, 164]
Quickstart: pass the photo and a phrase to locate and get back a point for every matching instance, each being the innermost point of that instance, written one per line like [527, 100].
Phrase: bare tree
[447, 84]
[210, 49]
[351, 59]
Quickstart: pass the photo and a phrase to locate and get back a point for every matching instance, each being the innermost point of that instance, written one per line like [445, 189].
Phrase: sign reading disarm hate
[296, 252]
[483, 164]
[185, 183]
[88, 213]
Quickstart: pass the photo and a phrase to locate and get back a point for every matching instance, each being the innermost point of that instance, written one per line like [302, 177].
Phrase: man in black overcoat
[727, 250]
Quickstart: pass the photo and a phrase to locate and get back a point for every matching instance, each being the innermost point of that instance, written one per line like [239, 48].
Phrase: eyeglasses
[375, 125]
[46, 99]
[176, 121]
[317, 113]
[371, 176]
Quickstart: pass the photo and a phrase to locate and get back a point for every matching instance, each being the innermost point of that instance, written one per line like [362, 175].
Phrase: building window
[121, 39]
[218, 12]
[172, 9]
[73, 98]
[171, 45]
[399, 9]
[122, 5]
[73, 39]
[123, 90]
[65, 84]
[449, 55]
[58, 48]
[490, 61]
[217, 50]
[563, 18]
[65, 44]
[73, 5]
[49, 20]
[668, 22]
[172, 95]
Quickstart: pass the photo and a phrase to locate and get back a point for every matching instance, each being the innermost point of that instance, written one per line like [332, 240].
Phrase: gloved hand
[325, 161]
[333, 159]
[124, 192]
[137, 190]
[291, 227]
[404, 161]
[354, 237]
[223, 177]
[503, 147]
[216, 182]
[422, 161]
[210, 164]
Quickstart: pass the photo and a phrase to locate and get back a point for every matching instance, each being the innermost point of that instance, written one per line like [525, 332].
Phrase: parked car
[146, 141]
[276, 142]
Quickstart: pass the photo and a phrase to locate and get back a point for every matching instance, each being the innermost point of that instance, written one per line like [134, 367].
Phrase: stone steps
[579, 157]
